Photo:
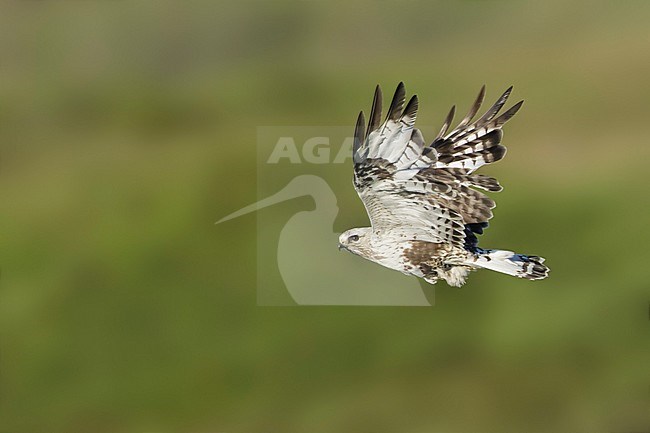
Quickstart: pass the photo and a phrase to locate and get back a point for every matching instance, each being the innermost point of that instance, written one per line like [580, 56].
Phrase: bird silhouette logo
[310, 264]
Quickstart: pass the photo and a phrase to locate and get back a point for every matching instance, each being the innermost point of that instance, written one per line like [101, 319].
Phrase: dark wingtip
[481, 95]
[446, 123]
[494, 110]
[516, 107]
[507, 93]
[396, 105]
[498, 152]
[508, 114]
[359, 133]
[472, 110]
[375, 111]
[411, 107]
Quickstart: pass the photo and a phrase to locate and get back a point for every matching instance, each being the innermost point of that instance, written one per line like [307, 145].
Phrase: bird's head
[356, 241]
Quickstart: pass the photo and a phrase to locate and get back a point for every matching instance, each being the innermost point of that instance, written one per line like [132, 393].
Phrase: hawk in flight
[422, 199]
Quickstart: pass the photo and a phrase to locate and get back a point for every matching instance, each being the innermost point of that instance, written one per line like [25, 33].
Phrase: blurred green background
[128, 128]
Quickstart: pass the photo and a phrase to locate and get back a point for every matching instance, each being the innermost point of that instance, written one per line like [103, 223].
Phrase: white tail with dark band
[507, 262]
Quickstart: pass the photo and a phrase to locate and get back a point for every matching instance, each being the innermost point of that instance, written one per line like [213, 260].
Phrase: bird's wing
[427, 191]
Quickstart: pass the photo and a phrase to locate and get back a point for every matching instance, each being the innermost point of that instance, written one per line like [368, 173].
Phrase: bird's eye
[353, 238]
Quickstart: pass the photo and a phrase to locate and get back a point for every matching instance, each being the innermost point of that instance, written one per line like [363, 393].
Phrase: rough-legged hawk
[421, 199]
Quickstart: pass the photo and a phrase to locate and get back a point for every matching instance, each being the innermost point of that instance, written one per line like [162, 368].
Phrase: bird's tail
[507, 262]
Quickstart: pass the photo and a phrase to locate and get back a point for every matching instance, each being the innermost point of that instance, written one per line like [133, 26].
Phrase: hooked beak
[342, 247]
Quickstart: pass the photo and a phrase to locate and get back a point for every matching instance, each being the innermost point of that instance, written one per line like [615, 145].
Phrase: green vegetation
[128, 128]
